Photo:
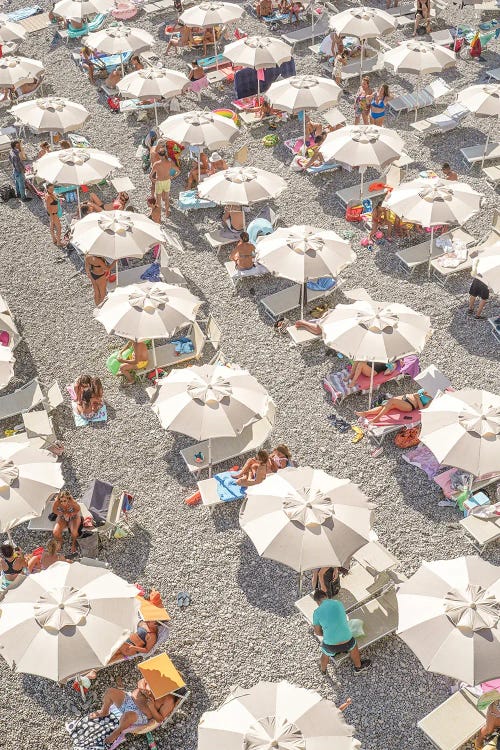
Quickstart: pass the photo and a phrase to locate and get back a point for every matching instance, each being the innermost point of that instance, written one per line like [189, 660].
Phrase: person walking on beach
[163, 170]
[18, 170]
[330, 621]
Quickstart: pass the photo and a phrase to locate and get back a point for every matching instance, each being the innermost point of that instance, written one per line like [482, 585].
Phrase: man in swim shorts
[163, 171]
[330, 621]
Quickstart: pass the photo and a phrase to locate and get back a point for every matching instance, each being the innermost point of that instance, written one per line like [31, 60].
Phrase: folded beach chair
[196, 457]
[483, 530]
[278, 304]
[372, 572]
[416, 256]
[22, 400]
[447, 120]
[452, 724]
[424, 98]
[474, 154]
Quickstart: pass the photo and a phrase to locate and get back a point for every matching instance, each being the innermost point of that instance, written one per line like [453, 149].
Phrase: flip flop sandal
[183, 599]
[447, 504]
[480, 317]
[376, 452]
[358, 434]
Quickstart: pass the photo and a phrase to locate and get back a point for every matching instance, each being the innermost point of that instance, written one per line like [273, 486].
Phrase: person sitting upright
[244, 253]
[138, 360]
[68, 516]
[12, 564]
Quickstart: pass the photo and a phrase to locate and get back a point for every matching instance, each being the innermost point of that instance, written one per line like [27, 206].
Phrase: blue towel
[287, 69]
[227, 489]
[152, 273]
[80, 421]
[22, 13]
[258, 227]
[183, 345]
[321, 285]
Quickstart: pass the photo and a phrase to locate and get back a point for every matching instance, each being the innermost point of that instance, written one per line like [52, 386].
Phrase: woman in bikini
[140, 642]
[89, 395]
[98, 270]
[95, 204]
[69, 516]
[492, 724]
[49, 556]
[233, 218]
[378, 105]
[423, 13]
[362, 102]
[407, 403]
[53, 207]
[365, 368]
[138, 360]
[12, 564]
[259, 466]
[244, 253]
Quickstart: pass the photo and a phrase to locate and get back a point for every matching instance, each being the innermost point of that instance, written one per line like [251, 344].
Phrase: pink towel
[395, 417]
[378, 379]
[261, 75]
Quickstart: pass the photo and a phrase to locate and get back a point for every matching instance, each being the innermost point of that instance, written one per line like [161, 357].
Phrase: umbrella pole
[9, 537]
[215, 49]
[362, 170]
[304, 123]
[431, 248]
[156, 113]
[487, 142]
[371, 386]
[78, 201]
[416, 102]
[361, 60]
[302, 300]
[121, 61]
[258, 87]
[209, 458]
[199, 165]
[300, 583]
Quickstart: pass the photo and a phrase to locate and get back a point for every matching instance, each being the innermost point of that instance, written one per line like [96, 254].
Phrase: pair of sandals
[340, 424]
[183, 599]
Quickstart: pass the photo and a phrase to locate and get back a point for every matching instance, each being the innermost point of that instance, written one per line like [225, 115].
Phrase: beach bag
[7, 192]
[475, 46]
[353, 213]
[270, 140]
[113, 103]
[407, 438]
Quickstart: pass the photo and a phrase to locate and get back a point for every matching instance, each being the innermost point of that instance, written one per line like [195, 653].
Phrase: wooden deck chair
[452, 724]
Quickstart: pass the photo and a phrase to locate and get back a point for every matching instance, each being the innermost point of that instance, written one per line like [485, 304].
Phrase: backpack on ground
[7, 192]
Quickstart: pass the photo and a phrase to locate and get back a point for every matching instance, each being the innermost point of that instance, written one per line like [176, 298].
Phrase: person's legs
[355, 656]
[126, 370]
[57, 532]
[112, 695]
[126, 720]
[74, 527]
[324, 661]
[480, 307]
[166, 200]
[57, 229]
[365, 116]
[472, 302]
[52, 229]
[313, 328]
[100, 288]
[20, 185]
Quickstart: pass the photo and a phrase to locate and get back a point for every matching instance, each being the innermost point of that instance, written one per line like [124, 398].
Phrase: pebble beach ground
[241, 625]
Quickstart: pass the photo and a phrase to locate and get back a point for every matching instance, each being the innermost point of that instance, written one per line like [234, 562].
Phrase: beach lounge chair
[196, 457]
[371, 573]
[35, 23]
[133, 276]
[416, 256]
[423, 98]
[337, 387]
[442, 273]
[236, 276]
[493, 75]
[371, 64]
[43, 523]
[352, 196]
[447, 120]
[444, 37]
[475, 154]
[109, 506]
[492, 175]
[278, 304]
[167, 355]
[452, 724]
[39, 429]
[189, 200]
[483, 531]
[22, 400]
[320, 28]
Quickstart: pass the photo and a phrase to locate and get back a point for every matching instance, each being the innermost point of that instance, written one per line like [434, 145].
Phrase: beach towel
[89, 734]
[152, 273]
[423, 458]
[287, 69]
[183, 345]
[336, 383]
[258, 227]
[101, 416]
[327, 166]
[395, 418]
[321, 285]
[257, 270]
[227, 489]
[210, 62]
[22, 13]
[189, 200]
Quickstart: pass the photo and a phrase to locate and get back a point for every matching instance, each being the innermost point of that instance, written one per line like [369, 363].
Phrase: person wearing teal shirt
[330, 622]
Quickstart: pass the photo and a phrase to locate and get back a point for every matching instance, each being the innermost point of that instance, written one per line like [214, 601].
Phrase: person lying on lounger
[95, 204]
[409, 402]
[140, 642]
[136, 707]
[365, 368]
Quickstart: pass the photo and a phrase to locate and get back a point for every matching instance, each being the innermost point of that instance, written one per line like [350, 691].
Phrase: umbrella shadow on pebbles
[52, 699]
[475, 335]
[266, 584]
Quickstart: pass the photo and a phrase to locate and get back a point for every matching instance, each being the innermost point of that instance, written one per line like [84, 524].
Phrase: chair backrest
[22, 400]
[54, 396]
[393, 176]
[495, 222]
[241, 156]
[214, 333]
[199, 340]
[438, 87]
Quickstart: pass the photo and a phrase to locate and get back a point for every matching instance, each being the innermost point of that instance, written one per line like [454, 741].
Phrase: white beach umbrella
[449, 615]
[120, 39]
[52, 114]
[419, 58]
[302, 253]
[11, 31]
[433, 203]
[116, 234]
[211, 13]
[210, 401]
[487, 267]
[198, 128]
[157, 83]
[7, 361]
[370, 331]
[362, 146]
[66, 620]
[241, 186]
[484, 101]
[14, 71]
[75, 166]
[275, 716]
[463, 429]
[79, 9]
[306, 518]
[300, 93]
[149, 310]
[364, 23]
[258, 52]
[28, 478]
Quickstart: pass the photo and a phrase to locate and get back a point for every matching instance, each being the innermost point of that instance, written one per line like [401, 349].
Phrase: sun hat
[215, 157]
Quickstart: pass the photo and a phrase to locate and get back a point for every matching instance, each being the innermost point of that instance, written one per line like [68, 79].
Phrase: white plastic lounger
[483, 530]
[43, 523]
[371, 64]
[380, 618]
[454, 722]
[474, 154]
[166, 355]
[22, 400]
[235, 275]
[425, 97]
[352, 195]
[308, 32]
[442, 37]
[277, 304]
[223, 449]
[412, 257]
[447, 120]
[493, 75]
[492, 175]
[221, 237]
[300, 336]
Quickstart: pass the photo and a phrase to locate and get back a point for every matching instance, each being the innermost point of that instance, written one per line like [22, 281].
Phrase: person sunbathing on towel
[365, 368]
[89, 395]
[244, 253]
[409, 402]
[95, 204]
[140, 642]
[136, 707]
